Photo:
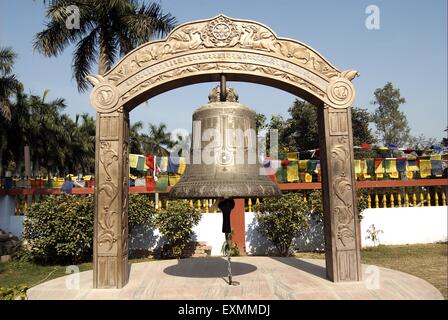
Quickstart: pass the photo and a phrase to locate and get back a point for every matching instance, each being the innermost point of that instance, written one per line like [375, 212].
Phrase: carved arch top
[216, 45]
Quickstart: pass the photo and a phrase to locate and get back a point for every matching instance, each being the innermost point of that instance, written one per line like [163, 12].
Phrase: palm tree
[136, 139]
[16, 130]
[47, 135]
[82, 144]
[158, 141]
[9, 85]
[108, 29]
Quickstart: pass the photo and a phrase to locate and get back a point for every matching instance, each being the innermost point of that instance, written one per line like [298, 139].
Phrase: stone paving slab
[258, 277]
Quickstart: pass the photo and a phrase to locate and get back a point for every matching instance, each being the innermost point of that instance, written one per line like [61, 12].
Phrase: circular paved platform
[258, 278]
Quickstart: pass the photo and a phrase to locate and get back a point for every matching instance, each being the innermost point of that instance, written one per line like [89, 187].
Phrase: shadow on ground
[303, 265]
[207, 268]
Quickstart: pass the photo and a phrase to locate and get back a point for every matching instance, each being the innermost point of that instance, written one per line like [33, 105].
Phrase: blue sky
[410, 50]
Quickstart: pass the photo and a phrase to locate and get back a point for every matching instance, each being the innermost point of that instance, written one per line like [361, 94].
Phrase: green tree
[158, 140]
[444, 141]
[79, 147]
[278, 124]
[391, 123]
[281, 219]
[9, 85]
[362, 133]
[360, 124]
[136, 139]
[176, 224]
[260, 121]
[108, 29]
[46, 132]
[301, 132]
[421, 142]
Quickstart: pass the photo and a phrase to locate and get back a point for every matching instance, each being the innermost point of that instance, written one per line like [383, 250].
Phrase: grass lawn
[16, 273]
[426, 261]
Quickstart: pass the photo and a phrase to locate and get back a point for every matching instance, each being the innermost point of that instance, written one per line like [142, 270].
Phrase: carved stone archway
[199, 52]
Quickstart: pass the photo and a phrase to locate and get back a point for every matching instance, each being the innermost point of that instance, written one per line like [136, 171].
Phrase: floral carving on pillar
[342, 188]
[109, 191]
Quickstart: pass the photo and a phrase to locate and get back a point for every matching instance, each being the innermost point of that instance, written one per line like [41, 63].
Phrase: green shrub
[176, 224]
[60, 228]
[14, 293]
[315, 202]
[140, 211]
[281, 219]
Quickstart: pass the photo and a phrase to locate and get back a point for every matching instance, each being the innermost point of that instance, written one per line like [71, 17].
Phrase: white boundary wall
[406, 225]
[8, 220]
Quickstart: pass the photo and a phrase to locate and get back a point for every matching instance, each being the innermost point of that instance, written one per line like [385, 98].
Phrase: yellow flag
[393, 175]
[392, 166]
[292, 156]
[425, 168]
[357, 167]
[308, 177]
[133, 160]
[182, 165]
[292, 173]
[303, 165]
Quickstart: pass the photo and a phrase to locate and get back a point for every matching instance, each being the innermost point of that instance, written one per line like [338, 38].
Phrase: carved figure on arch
[251, 37]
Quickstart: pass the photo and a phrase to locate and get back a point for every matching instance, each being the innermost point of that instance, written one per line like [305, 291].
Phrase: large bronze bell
[230, 167]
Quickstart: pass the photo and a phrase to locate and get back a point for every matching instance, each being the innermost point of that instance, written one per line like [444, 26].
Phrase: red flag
[150, 161]
[366, 146]
[378, 162]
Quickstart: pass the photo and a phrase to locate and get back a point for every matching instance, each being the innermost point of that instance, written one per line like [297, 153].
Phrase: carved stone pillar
[343, 261]
[110, 247]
